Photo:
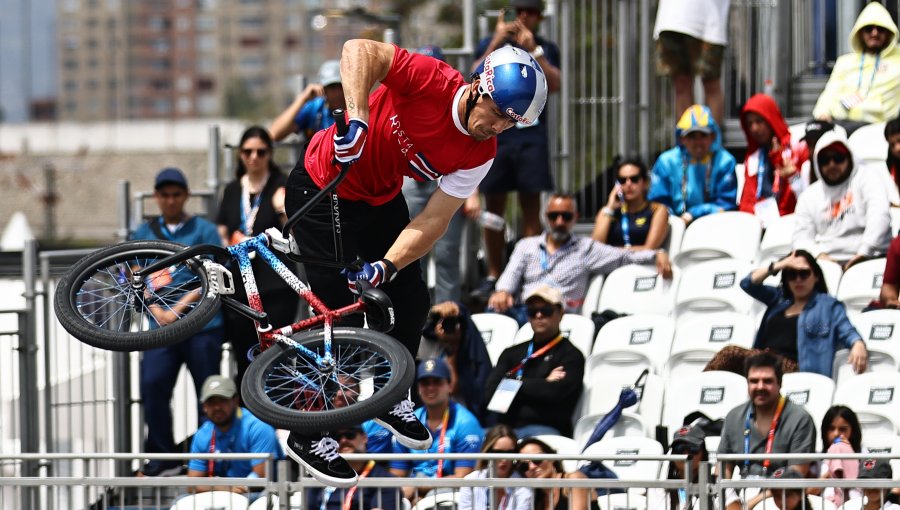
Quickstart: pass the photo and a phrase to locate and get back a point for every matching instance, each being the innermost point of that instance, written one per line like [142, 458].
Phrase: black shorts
[519, 166]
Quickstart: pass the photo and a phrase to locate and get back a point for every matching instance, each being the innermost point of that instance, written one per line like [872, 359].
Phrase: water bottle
[491, 221]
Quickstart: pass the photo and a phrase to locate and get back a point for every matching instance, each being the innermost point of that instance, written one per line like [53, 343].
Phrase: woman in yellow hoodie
[863, 86]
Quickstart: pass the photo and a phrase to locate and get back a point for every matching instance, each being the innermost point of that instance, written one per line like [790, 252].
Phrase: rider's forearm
[413, 243]
[363, 64]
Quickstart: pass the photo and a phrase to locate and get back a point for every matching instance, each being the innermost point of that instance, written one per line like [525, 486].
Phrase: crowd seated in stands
[629, 220]
[688, 440]
[783, 499]
[696, 177]
[499, 439]
[553, 497]
[875, 498]
[802, 321]
[892, 136]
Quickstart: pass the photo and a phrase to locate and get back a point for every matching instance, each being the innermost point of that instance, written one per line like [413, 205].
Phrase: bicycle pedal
[220, 279]
[278, 242]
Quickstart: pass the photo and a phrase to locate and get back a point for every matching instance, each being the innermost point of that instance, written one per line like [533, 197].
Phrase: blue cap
[430, 50]
[433, 367]
[170, 176]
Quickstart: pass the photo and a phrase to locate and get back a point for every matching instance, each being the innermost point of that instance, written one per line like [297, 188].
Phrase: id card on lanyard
[770, 437]
[509, 387]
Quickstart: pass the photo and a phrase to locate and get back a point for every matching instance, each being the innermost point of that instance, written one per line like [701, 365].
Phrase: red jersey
[413, 130]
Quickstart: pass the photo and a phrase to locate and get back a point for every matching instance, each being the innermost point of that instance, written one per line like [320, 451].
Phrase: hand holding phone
[509, 15]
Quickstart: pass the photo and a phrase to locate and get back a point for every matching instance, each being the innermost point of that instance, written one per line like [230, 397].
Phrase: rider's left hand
[375, 273]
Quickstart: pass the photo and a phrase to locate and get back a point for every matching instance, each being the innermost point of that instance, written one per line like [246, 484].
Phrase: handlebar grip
[340, 121]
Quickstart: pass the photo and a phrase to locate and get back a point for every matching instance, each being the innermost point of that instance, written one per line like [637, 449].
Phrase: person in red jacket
[772, 167]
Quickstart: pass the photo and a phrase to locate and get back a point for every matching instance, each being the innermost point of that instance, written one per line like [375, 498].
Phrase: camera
[450, 324]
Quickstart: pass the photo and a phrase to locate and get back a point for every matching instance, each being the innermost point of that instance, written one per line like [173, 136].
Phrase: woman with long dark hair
[251, 203]
[802, 321]
[551, 497]
[841, 433]
[499, 439]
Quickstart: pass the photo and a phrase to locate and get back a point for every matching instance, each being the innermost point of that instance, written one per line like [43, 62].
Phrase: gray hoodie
[846, 219]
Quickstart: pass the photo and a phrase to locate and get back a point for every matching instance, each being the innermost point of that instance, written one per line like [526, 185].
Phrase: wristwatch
[538, 52]
[772, 270]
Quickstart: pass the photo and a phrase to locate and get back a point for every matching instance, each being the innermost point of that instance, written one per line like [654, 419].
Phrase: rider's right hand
[348, 148]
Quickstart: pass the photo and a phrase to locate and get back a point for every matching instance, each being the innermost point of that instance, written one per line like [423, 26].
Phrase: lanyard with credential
[529, 355]
[770, 439]
[348, 499]
[170, 234]
[684, 181]
[862, 62]
[626, 235]
[441, 444]
[248, 212]
[211, 463]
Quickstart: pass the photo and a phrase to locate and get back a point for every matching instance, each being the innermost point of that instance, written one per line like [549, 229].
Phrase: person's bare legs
[531, 214]
[713, 97]
[684, 93]
[495, 242]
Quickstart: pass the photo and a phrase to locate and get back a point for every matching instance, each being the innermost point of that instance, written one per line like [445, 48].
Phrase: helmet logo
[524, 70]
[488, 75]
[516, 116]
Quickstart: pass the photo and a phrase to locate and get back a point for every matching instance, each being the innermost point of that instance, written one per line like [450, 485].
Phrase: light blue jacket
[822, 328]
[718, 194]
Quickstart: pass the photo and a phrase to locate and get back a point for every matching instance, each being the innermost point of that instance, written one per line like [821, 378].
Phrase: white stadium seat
[497, 330]
[731, 234]
[641, 340]
[875, 399]
[602, 394]
[713, 286]
[635, 289]
[213, 500]
[777, 239]
[812, 391]
[861, 284]
[676, 234]
[592, 296]
[713, 393]
[295, 502]
[630, 470]
[622, 501]
[699, 337]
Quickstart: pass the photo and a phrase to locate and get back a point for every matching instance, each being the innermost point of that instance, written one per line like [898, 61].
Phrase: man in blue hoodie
[696, 177]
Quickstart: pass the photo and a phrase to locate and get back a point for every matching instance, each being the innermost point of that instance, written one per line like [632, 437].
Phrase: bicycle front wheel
[290, 388]
[96, 302]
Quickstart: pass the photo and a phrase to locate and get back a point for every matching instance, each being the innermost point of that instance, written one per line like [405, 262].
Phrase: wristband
[538, 52]
[772, 270]
[608, 212]
[390, 268]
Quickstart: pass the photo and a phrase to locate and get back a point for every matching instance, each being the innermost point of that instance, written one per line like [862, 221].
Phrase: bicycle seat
[379, 310]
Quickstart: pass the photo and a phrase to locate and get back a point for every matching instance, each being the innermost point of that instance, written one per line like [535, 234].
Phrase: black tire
[271, 388]
[96, 303]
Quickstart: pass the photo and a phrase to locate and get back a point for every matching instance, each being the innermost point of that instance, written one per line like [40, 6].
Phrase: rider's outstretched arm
[424, 230]
[363, 64]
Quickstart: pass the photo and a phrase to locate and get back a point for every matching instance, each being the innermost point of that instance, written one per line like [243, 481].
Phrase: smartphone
[509, 15]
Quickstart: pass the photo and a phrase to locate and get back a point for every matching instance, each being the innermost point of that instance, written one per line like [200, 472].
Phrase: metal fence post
[213, 164]
[124, 210]
[29, 411]
[122, 410]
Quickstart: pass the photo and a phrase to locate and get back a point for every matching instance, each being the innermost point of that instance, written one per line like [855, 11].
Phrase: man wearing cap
[878, 498]
[560, 258]
[455, 429]
[353, 439]
[536, 384]
[230, 429]
[696, 177]
[522, 164]
[311, 109]
[201, 352]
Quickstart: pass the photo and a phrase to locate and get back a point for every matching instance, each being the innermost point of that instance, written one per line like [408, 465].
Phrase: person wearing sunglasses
[696, 177]
[845, 215]
[549, 496]
[802, 321]
[862, 87]
[535, 385]
[250, 204]
[353, 439]
[688, 440]
[500, 439]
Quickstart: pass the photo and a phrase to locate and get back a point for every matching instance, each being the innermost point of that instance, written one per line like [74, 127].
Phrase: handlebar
[340, 121]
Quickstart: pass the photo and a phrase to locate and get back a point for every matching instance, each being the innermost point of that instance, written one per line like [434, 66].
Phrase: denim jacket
[822, 328]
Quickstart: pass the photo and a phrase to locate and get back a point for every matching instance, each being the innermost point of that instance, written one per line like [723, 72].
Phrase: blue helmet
[515, 81]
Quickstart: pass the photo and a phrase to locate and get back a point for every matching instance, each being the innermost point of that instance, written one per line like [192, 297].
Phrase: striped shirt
[569, 269]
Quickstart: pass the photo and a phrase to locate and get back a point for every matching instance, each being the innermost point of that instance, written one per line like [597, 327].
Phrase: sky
[18, 56]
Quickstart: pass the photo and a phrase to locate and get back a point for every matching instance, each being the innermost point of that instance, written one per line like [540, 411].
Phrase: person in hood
[696, 177]
[844, 216]
[863, 84]
[773, 166]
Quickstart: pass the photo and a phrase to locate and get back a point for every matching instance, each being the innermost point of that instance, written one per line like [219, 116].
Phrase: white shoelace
[404, 410]
[326, 448]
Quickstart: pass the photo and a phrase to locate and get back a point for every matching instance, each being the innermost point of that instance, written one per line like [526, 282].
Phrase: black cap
[170, 176]
[815, 129]
[787, 473]
[537, 5]
[871, 468]
[691, 436]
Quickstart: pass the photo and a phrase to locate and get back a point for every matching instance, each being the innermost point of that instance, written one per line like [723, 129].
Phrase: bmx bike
[309, 376]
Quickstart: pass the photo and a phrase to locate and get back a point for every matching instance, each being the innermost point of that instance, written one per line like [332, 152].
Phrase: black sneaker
[162, 468]
[484, 290]
[408, 430]
[319, 455]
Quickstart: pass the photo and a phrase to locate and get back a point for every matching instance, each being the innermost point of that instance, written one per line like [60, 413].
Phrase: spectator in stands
[522, 163]
[889, 296]
[457, 341]
[536, 384]
[447, 277]
[499, 439]
[802, 321]
[784, 499]
[773, 166]
[630, 220]
[690, 41]
[844, 216]
[863, 84]
[201, 352]
[352, 439]
[551, 496]
[841, 434]
[455, 429]
[311, 109]
[689, 440]
[878, 498]
[251, 203]
[562, 259]
[892, 135]
[748, 426]
[696, 177]
[230, 429]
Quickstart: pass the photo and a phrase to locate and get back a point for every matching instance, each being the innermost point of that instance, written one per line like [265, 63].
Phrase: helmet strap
[471, 101]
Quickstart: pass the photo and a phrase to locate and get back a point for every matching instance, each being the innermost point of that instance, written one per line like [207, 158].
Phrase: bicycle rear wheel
[287, 388]
[96, 302]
